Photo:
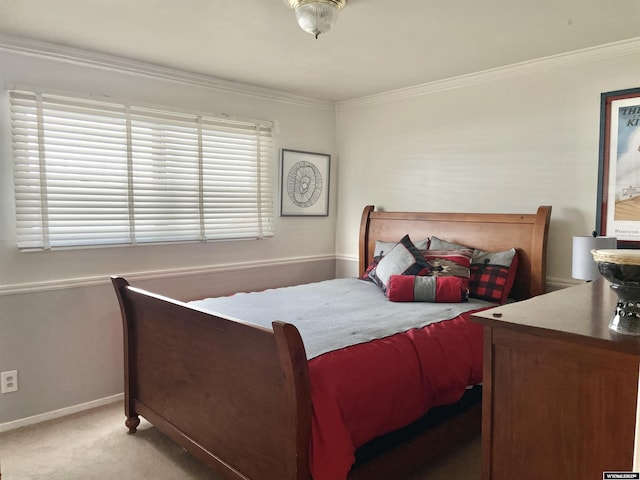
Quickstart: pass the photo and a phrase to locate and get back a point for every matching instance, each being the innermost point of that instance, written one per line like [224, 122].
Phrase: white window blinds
[95, 173]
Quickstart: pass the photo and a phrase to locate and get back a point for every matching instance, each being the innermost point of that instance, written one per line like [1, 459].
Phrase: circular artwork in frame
[304, 188]
[304, 184]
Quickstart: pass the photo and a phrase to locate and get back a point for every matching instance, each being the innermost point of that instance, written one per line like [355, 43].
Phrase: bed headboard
[491, 232]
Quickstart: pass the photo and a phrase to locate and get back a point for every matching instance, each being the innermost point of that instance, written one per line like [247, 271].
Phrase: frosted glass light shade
[583, 266]
[317, 16]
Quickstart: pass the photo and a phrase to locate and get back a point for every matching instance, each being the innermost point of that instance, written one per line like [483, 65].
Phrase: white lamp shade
[583, 266]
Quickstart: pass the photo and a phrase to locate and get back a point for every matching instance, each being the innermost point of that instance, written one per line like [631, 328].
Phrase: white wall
[501, 141]
[507, 140]
[66, 342]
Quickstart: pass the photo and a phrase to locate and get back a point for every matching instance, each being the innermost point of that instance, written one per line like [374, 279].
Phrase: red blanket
[369, 389]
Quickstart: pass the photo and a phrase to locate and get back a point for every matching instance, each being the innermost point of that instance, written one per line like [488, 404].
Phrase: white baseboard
[63, 412]
[555, 283]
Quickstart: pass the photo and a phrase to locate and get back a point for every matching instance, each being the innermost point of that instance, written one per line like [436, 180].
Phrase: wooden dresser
[560, 388]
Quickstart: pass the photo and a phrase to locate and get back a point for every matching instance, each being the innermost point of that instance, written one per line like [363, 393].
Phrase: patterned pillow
[448, 263]
[403, 259]
[372, 265]
[491, 273]
[414, 288]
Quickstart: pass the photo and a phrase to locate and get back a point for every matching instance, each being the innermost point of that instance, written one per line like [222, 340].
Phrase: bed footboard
[235, 395]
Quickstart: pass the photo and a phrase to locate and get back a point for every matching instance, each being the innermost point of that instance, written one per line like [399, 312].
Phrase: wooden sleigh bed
[237, 396]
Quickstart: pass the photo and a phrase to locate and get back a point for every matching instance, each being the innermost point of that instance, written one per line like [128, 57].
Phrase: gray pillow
[403, 259]
[382, 248]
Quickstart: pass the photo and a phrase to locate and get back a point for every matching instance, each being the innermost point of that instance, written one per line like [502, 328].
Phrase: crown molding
[587, 55]
[63, 53]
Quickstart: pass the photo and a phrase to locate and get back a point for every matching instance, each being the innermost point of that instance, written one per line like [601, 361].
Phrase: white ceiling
[376, 46]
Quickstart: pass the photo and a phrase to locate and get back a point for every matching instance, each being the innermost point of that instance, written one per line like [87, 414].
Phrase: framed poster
[304, 186]
[619, 167]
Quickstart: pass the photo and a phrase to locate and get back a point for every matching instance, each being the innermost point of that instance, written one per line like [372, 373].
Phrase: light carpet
[94, 445]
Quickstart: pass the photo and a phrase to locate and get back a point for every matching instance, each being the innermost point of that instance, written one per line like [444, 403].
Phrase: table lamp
[583, 266]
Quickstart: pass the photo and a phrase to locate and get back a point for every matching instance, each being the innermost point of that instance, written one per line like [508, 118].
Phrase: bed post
[293, 361]
[539, 249]
[364, 239]
[133, 420]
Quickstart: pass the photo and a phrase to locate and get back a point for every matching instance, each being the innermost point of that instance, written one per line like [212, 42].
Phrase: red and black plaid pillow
[492, 282]
[491, 273]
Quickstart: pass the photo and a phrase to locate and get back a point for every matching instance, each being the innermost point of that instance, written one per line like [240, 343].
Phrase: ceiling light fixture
[317, 16]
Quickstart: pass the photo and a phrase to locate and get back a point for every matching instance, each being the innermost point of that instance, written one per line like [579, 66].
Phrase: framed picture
[619, 167]
[304, 186]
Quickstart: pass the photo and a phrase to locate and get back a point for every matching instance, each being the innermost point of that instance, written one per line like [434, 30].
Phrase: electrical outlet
[9, 381]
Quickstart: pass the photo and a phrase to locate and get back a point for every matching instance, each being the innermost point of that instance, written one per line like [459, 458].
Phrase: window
[95, 173]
